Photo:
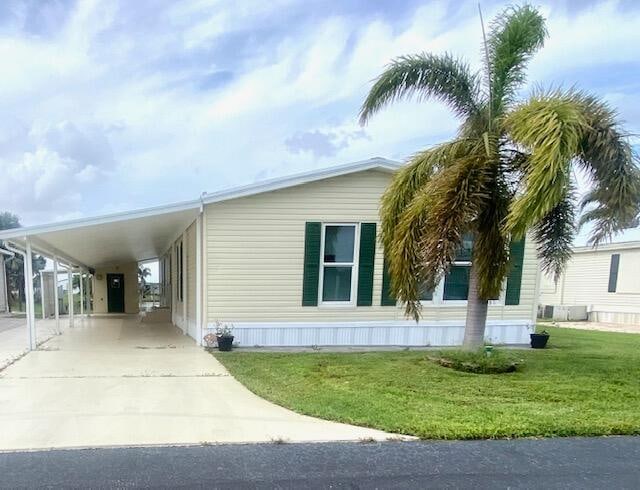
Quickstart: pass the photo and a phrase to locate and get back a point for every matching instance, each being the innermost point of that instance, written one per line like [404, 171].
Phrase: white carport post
[70, 294]
[56, 306]
[28, 283]
[81, 276]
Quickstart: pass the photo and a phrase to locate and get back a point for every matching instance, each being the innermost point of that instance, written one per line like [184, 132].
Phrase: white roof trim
[242, 191]
[376, 163]
[98, 220]
[610, 247]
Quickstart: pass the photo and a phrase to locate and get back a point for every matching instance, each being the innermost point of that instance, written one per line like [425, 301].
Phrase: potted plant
[224, 335]
[539, 340]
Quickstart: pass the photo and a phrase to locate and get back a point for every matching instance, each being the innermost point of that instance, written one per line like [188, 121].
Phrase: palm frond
[554, 234]
[410, 179]
[425, 75]
[515, 35]
[551, 127]
[606, 154]
[429, 231]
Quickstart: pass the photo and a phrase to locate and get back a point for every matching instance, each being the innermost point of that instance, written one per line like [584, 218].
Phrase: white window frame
[437, 298]
[354, 267]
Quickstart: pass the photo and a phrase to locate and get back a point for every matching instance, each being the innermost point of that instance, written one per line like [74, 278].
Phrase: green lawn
[585, 383]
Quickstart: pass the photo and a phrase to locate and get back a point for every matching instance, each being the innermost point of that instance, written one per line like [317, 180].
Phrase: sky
[116, 105]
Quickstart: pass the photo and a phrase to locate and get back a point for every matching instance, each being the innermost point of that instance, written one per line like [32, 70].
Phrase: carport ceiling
[113, 239]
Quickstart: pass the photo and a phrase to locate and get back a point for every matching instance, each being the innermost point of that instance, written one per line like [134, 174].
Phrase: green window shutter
[514, 280]
[311, 274]
[387, 297]
[613, 273]
[366, 261]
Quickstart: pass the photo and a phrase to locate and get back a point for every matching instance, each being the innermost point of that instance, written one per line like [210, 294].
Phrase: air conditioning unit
[563, 313]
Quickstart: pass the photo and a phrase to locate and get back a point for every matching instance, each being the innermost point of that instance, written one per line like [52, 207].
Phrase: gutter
[7, 253]
[13, 251]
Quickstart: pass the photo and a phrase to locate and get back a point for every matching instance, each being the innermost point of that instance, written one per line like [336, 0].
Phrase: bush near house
[584, 384]
[481, 361]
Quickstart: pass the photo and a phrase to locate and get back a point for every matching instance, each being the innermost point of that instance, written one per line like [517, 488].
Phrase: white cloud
[108, 111]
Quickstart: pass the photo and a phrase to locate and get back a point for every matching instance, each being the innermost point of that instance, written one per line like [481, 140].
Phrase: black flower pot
[225, 343]
[539, 340]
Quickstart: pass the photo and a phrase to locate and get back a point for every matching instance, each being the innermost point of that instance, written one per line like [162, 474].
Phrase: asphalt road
[552, 463]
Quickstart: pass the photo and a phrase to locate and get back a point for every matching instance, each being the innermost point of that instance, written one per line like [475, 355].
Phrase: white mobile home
[603, 282]
[290, 262]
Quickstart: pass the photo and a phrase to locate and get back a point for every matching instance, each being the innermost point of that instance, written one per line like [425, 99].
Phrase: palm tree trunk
[476, 315]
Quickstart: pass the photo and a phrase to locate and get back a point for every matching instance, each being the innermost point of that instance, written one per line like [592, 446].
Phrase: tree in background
[508, 169]
[9, 221]
[143, 273]
[15, 265]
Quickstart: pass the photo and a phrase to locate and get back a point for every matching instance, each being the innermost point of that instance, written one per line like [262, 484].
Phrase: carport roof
[147, 233]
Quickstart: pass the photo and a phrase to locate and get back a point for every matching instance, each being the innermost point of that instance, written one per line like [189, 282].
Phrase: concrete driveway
[14, 336]
[115, 381]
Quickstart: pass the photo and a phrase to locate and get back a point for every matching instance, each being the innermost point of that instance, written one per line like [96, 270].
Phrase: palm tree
[508, 169]
[143, 273]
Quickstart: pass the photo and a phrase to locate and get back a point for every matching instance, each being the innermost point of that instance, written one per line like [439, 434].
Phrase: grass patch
[478, 362]
[584, 384]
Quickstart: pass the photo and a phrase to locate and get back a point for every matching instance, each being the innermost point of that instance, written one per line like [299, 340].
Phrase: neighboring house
[291, 261]
[600, 284]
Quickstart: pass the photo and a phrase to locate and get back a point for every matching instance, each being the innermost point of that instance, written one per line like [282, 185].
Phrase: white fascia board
[43, 248]
[608, 247]
[99, 220]
[242, 191]
[303, 178]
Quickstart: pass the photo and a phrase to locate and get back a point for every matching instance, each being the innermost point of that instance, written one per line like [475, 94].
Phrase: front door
[115, 293]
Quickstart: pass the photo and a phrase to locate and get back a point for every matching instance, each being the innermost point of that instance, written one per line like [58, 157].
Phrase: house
[600, 284]
[293, 261]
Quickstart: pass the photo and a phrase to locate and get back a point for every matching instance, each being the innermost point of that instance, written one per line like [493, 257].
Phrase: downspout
[199, 272]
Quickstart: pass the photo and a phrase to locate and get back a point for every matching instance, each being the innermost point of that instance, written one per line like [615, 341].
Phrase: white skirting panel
[622, 317]
[398, 333]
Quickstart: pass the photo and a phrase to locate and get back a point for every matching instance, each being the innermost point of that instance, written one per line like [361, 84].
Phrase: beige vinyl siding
[586, 280]
[255, 254]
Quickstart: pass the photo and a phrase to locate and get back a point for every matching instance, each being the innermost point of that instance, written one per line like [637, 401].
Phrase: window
[456, 282]
[454, 288]
[338, 263]
[613, 273]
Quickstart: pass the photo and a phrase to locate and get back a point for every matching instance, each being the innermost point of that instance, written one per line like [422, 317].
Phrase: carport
[102, 250]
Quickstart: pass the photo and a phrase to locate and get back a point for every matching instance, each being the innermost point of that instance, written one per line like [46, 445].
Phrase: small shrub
[479, 361]
[224, 329]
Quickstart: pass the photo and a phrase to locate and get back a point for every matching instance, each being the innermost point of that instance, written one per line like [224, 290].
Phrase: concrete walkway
[115, 381]
[601, 326]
